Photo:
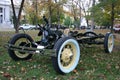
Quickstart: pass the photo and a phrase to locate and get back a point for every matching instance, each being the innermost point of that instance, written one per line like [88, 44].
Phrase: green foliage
[43, 7]
[54, 17]
[101, 17]
[76, 23]
[67, 21]
[102, 12]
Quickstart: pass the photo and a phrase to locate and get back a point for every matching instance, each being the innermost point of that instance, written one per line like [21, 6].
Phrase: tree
[58, 4]
[85, 6]
[55, 11]
[74, 12]
[67, 21]
[79, 9]
[16, 19]
[92, 14]
[52, 10]
[109, 9]
[110, 6]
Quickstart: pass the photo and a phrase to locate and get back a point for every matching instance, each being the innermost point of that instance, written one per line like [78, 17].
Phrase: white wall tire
[67, 55]
[108, 42]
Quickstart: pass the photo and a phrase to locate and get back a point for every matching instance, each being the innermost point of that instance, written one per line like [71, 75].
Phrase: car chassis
[63, 49]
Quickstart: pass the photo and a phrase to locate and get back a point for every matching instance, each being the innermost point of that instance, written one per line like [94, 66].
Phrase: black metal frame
[49, 38]
[83, 38]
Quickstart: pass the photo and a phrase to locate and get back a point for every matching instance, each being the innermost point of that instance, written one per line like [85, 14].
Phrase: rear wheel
[67, 55]
[108, 42]
[20, 40]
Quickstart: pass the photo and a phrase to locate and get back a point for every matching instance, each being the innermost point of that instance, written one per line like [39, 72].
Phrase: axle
[30, 50]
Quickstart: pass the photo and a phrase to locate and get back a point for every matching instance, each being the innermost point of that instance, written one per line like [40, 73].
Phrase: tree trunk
[80, 16]
[92, 19]
[16, 19]
[58, 13]
[14, 16]
[112, 16]
[50, 12]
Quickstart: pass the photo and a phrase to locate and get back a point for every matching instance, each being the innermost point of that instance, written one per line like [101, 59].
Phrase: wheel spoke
[67, 55]
[110, 42]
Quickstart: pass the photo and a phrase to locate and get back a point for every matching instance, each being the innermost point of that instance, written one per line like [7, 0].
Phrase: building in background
[6, 15]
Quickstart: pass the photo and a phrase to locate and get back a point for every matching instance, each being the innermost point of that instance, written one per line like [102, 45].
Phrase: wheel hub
[66, 55]
[23, 43]
[110, 42]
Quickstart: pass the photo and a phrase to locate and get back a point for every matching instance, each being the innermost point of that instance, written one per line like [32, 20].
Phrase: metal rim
[21, 54]
[110, 43]
[69, 54]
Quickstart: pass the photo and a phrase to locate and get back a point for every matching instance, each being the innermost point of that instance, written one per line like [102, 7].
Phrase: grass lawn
[94, 63]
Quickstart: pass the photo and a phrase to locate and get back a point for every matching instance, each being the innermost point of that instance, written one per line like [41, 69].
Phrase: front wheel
[22, 40]
[108, 42]
[67, 55]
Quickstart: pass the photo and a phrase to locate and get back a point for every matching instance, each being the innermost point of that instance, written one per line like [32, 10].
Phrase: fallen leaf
[30, 60]
[108, 66]
[81, 61]
[11, 78]
[117, 67]
[94, 56]
[34, 78]
[102, 76]
[42, 78]
[72, 78]
[35, 66]
[6, 75]
[18, 63]
[75, 71]
[6, 62]
[81, 69]
[55, 78]
[9, 67]
[23, 69]
[13, 66]
[1, 72]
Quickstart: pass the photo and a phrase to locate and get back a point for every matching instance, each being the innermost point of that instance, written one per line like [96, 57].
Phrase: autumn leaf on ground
[7, 75]
[117, 67]
[72, 78]
[33, 77]
[57, 78]
[81, 69]
[108, 66]
[18, 63]
[30, 60]
[1, 72]
[23, 69]
[75, 71]
[6, 62]
[102, 76]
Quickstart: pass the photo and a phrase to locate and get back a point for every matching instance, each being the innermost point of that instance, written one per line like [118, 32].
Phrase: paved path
[6, 29]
